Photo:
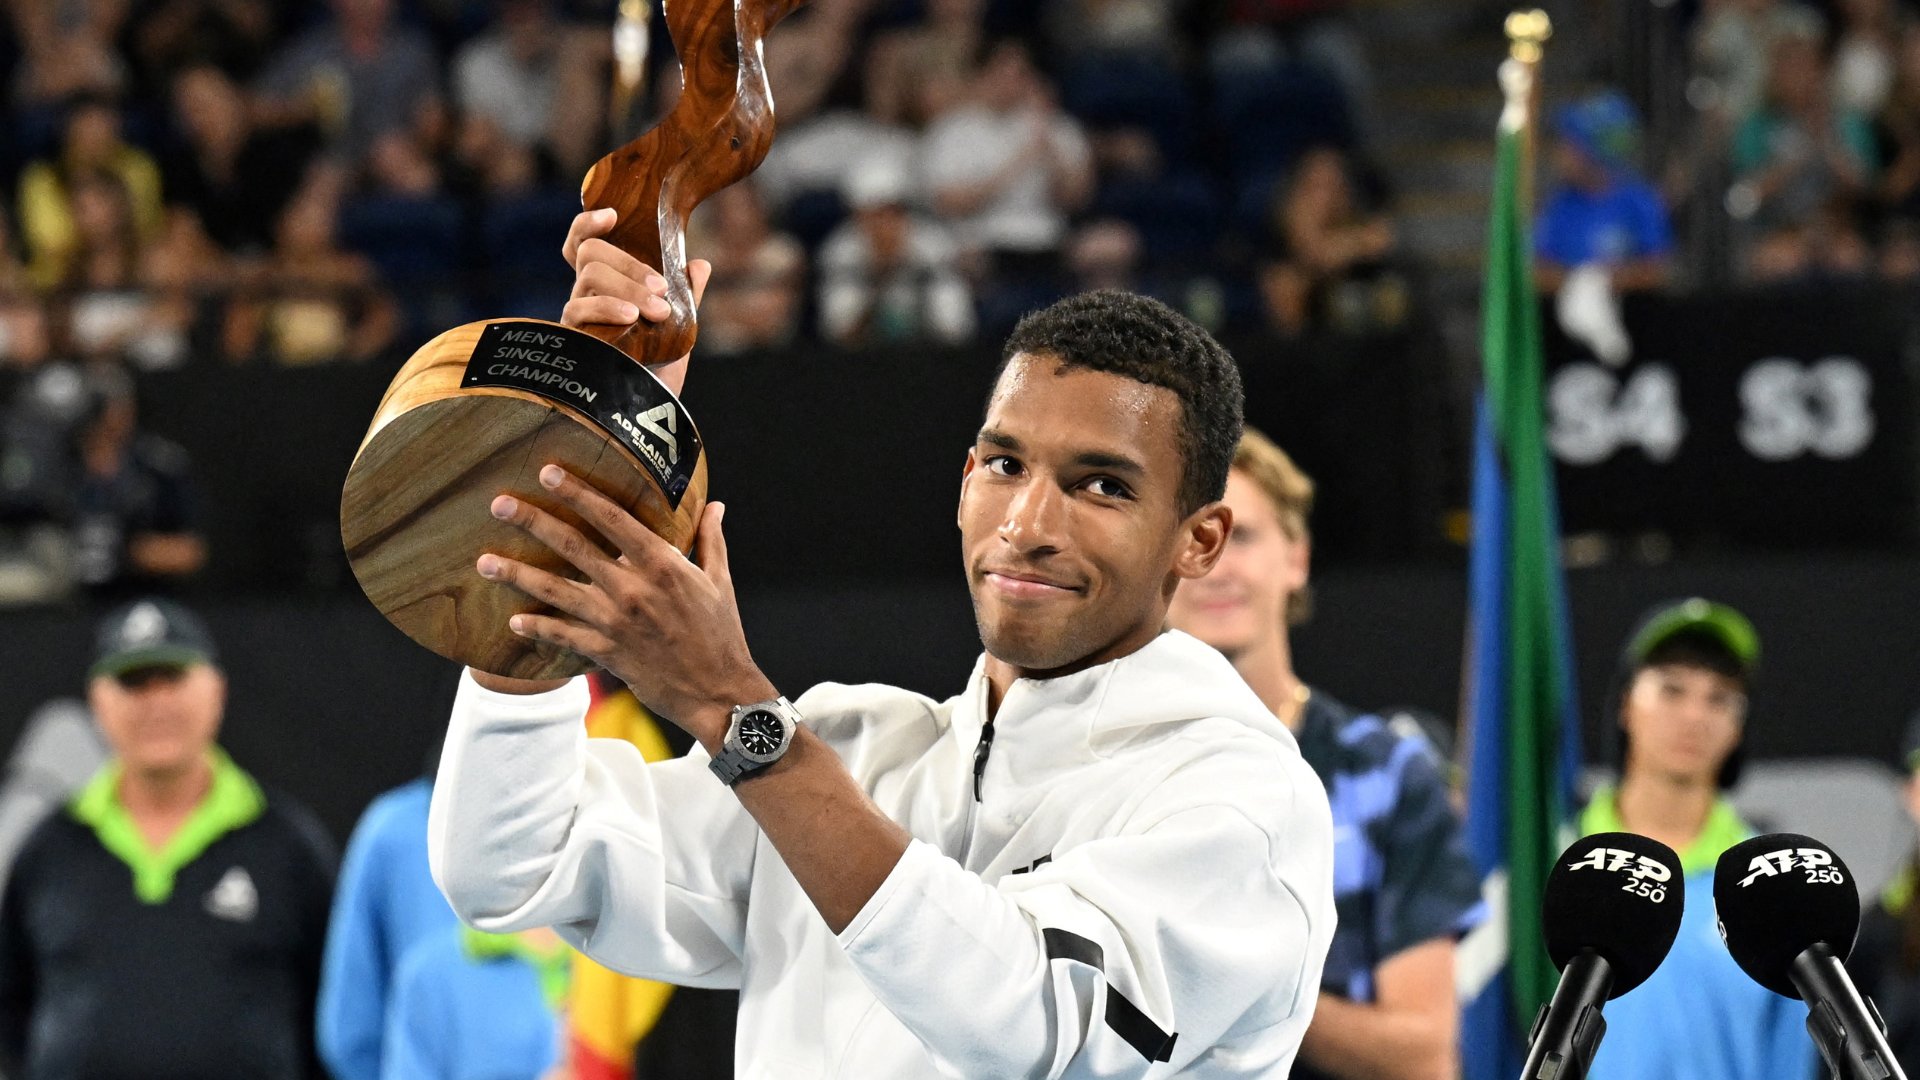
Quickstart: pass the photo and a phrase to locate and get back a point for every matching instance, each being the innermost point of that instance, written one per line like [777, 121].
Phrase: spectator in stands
[888, 275]
[36, 551]
[234, 177]
[1328, 261]
[67, 52]
[386, 905]
[508, 76]
[920, 72]
[524, 82]
[1733, 41]
[170, 920]
[1678, 711]
[167, 37]
[1258, 37]
[812, 162]
[1898, 130]
[125, 299]
[25, 337]
[398, 164]
[309, 301]
[1864, 54]
[92, 148]
[1800, 150]
[359, 77]
[134, 518]
[812, 53]
[467, 1003]
[1009, 167]
[1886, 957]
[1403, 886]
[1600, 211]
[753, 299]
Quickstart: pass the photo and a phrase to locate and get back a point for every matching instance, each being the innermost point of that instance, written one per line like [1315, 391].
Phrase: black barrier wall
[332, 704]
[835, 466]
[1752, 420]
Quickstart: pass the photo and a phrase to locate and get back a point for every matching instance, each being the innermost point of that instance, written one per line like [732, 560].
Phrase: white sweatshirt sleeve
[534, 824]
[1118, 954]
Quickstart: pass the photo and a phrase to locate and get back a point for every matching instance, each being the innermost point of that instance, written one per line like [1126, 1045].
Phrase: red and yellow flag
[608, 1013]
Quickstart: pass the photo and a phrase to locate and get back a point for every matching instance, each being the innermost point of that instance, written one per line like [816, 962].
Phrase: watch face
[761, 734]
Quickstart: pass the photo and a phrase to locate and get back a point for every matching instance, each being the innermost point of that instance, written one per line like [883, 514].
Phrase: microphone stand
[1845, 1026]
[1567, 1032]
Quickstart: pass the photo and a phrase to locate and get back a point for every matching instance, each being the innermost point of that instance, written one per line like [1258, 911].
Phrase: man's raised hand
[611, 287]
[667, 627]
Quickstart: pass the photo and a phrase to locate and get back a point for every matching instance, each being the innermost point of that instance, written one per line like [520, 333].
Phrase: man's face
[1683, 721]
[1070, 522]
[160, 720]
[1243, 603]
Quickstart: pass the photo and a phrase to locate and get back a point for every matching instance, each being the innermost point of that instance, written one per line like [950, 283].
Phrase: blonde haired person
[1403, 887]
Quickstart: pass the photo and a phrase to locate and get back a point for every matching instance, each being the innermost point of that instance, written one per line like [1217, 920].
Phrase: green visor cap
[1718, 621]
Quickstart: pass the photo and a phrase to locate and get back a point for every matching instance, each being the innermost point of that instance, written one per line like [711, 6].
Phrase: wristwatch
[758, 735]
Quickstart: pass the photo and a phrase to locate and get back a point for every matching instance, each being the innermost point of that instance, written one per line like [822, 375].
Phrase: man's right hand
[611, 287]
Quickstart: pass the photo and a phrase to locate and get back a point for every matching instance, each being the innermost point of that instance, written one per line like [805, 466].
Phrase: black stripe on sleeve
[1128, 1022]
[1123, 1016]
[1065, 945]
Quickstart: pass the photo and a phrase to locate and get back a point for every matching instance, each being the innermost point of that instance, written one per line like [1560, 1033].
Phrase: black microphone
[1610, 913]
[1788, 912]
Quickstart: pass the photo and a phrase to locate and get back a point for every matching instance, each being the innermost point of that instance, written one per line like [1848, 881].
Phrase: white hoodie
[1143, 888]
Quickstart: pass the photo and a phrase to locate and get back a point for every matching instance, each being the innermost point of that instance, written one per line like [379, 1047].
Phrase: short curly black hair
[1144, 339]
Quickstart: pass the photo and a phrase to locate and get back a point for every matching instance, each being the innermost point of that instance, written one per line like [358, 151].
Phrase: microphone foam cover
[1619, 894]
[1776, 895]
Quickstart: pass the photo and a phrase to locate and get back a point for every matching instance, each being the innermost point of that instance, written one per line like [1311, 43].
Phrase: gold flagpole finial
[1527, 32]
[629, 60]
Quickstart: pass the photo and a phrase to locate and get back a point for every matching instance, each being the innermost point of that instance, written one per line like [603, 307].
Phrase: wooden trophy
[480, 409]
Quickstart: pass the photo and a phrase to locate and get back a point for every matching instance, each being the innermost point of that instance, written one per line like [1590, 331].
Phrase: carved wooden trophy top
[478, 410]
[718, 133]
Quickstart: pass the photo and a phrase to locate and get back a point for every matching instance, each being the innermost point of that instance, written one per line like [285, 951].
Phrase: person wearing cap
[1679, 711]
[1886, 957]
[169, 922]
[1601, 213]
[1404, 889]
[888, 275]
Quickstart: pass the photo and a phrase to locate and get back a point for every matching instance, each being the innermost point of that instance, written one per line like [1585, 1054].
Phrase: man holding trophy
[1102, 855]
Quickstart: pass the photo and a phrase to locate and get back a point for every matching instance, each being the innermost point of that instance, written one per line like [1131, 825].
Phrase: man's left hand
[666, 626]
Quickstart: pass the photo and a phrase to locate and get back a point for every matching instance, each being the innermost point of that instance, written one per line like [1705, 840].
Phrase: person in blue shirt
[1404, 890]
[474, 1006]
[1680, 711]
[386, 903]
[1600, 212]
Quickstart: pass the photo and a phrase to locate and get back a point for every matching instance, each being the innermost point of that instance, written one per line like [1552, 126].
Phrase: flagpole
[1527, 34]
[630, 41]
[1519, 720]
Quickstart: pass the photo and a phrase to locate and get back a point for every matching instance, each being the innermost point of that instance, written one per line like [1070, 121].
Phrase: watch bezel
[735, 743]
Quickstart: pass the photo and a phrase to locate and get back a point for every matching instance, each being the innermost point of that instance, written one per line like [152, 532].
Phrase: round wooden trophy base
[475, 414]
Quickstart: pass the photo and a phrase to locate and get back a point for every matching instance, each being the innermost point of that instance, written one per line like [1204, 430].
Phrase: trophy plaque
[480, 409]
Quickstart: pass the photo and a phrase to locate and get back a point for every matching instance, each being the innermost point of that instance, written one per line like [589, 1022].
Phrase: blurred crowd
[241, 181]
[1805, 140]
[1822, 110]
[261, 182]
